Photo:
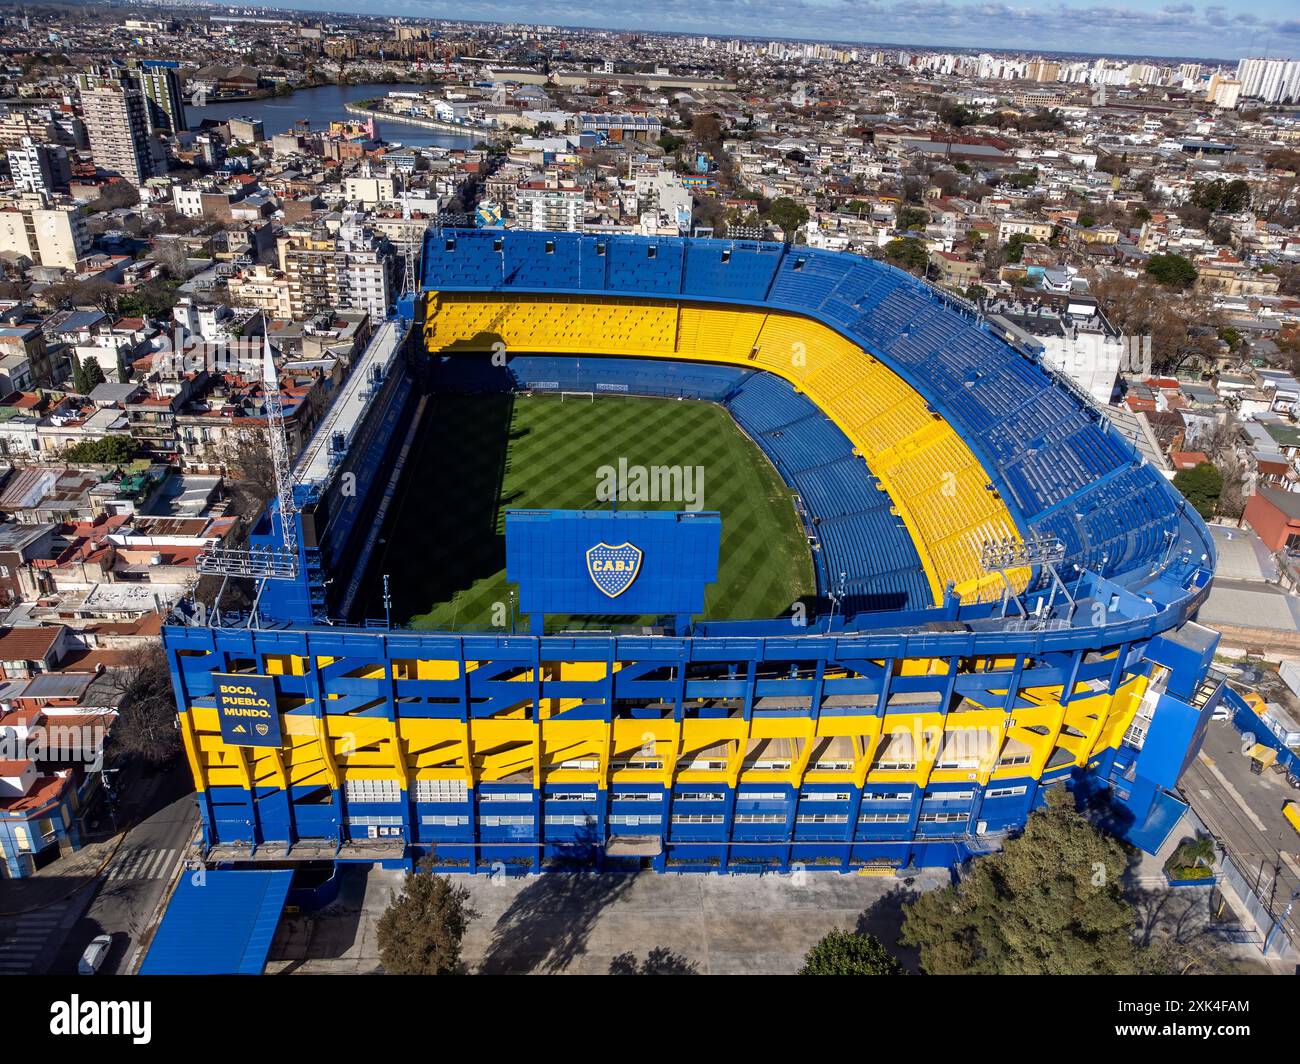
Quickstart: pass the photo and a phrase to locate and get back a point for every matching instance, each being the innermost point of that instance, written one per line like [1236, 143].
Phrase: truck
[1281, 724]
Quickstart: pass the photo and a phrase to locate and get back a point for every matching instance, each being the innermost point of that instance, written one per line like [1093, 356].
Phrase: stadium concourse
[1005, 599]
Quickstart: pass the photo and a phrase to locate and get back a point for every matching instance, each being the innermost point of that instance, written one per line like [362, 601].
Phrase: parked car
[95, 955]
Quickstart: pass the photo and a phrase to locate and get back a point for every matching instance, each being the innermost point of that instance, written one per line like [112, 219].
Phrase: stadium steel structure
[1007, 594]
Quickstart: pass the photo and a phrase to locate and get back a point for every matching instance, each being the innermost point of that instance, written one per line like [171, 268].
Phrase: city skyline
[1155, 28]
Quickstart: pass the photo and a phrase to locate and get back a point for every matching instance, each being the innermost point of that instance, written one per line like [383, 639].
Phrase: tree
[109, 450]
[787, 214]
[844, 953]
[87, 376]
[907, 253]
[152, 300]
[146, 712]
[912, 218]
[1219, 195]
[1016, 246]
[1201, 486]
[1137, 306]
[114, 195]
[1171, 270]
[420, 932]
[1049, 904]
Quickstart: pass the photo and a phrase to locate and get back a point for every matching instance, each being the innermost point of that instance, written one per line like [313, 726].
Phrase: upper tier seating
[881, 353]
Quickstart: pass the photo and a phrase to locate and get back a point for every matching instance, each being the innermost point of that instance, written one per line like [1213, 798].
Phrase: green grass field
[478, 456]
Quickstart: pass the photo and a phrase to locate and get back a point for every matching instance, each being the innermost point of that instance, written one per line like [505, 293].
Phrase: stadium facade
[1006, 595]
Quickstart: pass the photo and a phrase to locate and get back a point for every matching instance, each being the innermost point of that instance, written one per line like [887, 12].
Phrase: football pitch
[477, 456]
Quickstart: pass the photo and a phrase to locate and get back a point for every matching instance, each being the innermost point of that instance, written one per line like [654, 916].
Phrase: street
[113, 885]
[1244, 811]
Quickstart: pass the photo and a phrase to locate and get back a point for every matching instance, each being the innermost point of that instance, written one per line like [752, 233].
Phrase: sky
[1136, 27]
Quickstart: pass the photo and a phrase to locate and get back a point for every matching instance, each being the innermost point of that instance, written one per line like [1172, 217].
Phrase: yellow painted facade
[973, 743]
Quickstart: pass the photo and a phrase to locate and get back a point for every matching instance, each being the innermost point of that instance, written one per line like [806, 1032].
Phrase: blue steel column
[314, 685]
[394, 715]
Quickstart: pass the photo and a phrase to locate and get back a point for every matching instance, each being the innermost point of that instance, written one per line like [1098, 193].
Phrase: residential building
[117, 123]
[44, 231]
[39, 169]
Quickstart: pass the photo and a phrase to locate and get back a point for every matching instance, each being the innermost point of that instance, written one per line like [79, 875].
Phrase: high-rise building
[39, 168]
[158, 79]
[161, 83]
[1270, 80]
[118, 126]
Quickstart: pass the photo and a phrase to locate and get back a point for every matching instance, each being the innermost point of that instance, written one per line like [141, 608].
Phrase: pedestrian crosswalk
[23, 939]
[142, 863]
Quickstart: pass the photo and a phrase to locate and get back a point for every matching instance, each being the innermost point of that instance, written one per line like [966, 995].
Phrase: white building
[539, 205]
[46, 232]
[39, 169]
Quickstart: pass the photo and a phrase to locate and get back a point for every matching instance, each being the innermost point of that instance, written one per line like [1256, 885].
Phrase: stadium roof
[221, 926]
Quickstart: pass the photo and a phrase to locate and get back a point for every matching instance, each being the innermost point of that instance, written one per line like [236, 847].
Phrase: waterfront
[322, 105]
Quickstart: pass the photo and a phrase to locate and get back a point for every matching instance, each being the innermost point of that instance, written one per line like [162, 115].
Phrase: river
[321, 106]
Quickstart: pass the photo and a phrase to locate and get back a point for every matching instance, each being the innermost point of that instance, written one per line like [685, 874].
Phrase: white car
[94, 956]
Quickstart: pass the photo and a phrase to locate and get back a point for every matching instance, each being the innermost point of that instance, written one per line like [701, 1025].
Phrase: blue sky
[1142, 27]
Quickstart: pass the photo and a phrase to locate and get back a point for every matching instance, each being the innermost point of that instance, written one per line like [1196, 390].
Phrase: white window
[572, 796]
[702, 796]
[582, 764]
[635, 796]
[761, 796]
[440, 791]
[696, 818]
[951, 796]
[883, 818]
[372, 791]
[504, 796]
[570, 821]
[632, 820]
[1004, 792]
[821, 818]
[759, 818]
[886, 796]
[943, 818]
[506, 821]
[444, 821]
[825, 796]
[375, 821]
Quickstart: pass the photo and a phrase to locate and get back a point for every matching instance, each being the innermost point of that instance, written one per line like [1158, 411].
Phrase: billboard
[246, 709]
[631, 562]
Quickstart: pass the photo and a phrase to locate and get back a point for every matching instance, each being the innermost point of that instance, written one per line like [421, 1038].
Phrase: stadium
[928, 580]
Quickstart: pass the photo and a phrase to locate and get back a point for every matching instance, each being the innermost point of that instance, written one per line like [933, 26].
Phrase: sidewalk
[62, 878]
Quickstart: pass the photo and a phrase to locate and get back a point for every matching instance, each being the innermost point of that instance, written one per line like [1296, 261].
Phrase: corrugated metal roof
[59, 685]
[222, 927]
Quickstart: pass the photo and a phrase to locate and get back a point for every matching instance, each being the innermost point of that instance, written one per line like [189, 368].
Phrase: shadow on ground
[549, 922]
[883, 918]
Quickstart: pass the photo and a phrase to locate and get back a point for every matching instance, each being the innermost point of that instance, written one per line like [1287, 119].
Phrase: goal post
[577, 396]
